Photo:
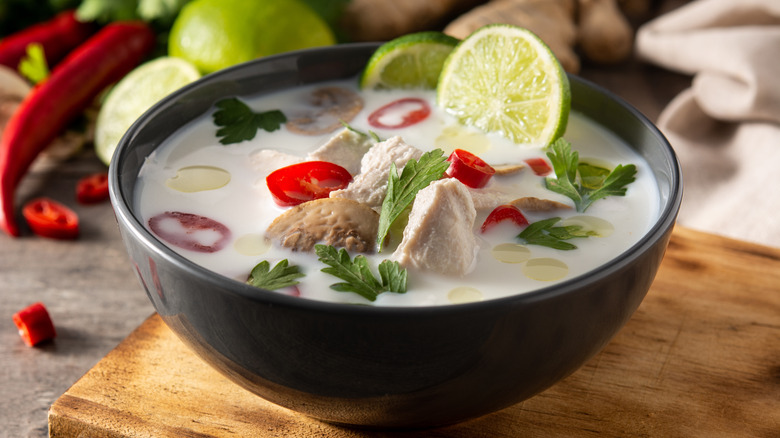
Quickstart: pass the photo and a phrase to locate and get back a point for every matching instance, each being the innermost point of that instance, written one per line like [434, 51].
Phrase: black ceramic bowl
[375, 366]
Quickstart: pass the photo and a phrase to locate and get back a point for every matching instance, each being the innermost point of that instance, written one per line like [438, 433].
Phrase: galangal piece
[342, 223]
[370, 185]
[439, 236]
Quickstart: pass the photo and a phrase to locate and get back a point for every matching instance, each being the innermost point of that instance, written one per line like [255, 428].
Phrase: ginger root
[382, 20]
[551, 20]
[598, 30]
[605, 35]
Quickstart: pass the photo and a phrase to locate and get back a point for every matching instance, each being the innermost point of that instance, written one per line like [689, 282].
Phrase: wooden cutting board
[700, 357]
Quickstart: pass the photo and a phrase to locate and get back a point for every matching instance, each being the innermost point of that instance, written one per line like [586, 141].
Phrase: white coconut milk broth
[245, 205]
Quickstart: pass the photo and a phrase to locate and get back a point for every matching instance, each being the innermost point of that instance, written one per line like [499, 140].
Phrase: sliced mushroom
[332, 106]
[530, 203]
[339, 222]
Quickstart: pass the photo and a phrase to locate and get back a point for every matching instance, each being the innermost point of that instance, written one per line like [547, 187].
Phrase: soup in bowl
[458, 311]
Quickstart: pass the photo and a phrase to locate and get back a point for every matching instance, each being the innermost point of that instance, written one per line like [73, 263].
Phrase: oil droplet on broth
[458, 137]
[252, 244]
[193, 179]
[545, 269]
[462, 295]
[511, 253]
[590, 223]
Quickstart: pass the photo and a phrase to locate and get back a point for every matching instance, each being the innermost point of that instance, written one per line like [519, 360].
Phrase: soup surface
[193, 176]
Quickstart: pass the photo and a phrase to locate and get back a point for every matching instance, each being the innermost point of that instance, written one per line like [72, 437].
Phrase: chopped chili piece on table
[92, 188]
[49, 218]
[34, 324]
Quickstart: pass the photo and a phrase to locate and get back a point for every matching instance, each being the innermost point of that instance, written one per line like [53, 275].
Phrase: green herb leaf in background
[105, 11]
[238, 122]
[33, 65]
[279, 277]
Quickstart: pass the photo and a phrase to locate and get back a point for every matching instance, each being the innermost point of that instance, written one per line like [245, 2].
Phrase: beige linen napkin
[726, 127]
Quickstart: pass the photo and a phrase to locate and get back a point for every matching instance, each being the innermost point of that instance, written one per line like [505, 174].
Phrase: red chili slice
[190, 231]
[539, 166]
[49, 218]
[34, 324]
[92, 189]
[298, 183]
[504, 213]
[469, 169]
[403, 112]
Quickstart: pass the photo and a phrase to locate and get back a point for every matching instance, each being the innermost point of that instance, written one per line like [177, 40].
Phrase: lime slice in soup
[410, 61]
[504, 79]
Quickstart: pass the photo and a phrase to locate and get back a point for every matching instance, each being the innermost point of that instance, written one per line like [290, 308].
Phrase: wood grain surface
[699, 358]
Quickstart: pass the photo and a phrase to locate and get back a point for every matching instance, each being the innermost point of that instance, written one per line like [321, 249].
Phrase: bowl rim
[124, 214]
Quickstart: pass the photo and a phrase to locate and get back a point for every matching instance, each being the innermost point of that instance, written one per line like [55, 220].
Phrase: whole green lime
[214, 34]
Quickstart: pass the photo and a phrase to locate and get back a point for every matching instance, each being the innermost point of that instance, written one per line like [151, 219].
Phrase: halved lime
[134, 94]
[504, 79]
[410, 61]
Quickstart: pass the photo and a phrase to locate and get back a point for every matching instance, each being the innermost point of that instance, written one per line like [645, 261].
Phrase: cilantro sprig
[279, 277]
[545, 233]
[238, 122]
[401, 190]
[357, 274]
[584, 183]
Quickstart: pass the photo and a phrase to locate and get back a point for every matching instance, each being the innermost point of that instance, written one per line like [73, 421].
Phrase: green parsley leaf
[238, 122]
[615, 183]
[401, 190]
[33, 65]
[357, 274]
[545, 233]
[584, 183]
[279, 277]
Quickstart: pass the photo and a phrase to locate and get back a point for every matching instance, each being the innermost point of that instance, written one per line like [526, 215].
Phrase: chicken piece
[342, 223]
[439, 236]
[370, 185]
[346, 149]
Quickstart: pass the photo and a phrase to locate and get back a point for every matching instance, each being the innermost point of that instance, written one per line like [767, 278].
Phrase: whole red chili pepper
[58, 37]
[72, 86]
